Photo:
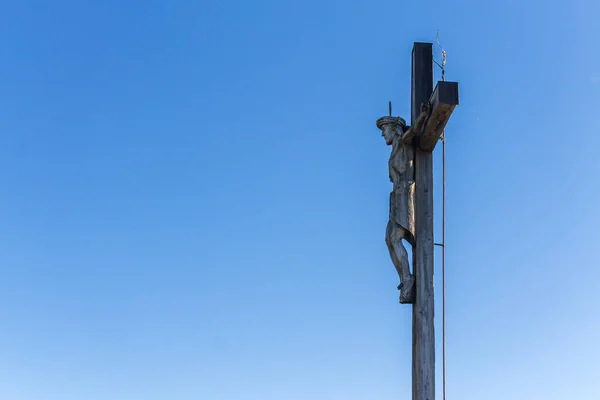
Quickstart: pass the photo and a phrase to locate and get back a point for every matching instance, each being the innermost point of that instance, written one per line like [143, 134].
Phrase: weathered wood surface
[423, 367]
[401, 221]
[442, 102]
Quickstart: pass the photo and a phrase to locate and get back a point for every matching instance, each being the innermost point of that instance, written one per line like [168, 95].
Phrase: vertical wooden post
[423, 367]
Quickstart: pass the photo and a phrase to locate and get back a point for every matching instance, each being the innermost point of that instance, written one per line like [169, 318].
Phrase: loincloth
[402, 206]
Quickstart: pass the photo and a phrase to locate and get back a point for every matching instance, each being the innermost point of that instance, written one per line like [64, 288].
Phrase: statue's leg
[393, 238]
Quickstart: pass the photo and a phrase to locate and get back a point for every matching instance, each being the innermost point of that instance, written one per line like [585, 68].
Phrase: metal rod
[444, 265]
[443, 235]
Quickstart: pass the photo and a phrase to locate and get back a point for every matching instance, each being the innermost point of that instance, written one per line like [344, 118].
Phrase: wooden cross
[442, 100]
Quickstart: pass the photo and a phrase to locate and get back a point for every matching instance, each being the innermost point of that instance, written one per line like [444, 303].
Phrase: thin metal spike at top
[390, 107]
[443, 63]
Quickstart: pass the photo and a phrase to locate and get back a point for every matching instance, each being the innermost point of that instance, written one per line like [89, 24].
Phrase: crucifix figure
[401, 224]
[411, 206]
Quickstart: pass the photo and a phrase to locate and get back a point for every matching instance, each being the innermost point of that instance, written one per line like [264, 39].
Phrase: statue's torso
[401, 166]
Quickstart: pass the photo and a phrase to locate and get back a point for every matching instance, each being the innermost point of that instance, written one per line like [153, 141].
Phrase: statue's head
[391, 128]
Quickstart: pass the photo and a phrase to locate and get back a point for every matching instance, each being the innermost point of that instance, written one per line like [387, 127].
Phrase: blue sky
[194, 198]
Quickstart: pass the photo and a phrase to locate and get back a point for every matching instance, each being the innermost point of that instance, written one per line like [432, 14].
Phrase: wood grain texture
[442, 102]
[423, 367]
[401, 221]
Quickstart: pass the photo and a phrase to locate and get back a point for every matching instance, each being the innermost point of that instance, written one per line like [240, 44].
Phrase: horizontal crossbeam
[442, 102]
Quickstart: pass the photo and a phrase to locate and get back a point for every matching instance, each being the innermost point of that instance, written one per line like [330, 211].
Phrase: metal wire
[443, 265]
[443, 244]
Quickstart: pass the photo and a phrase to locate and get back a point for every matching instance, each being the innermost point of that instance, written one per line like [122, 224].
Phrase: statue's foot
[407, 290]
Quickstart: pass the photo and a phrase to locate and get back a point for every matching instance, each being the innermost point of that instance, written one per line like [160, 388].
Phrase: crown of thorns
[383, 121]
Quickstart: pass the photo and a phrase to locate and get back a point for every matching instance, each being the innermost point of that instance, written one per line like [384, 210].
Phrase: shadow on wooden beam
[443, 100]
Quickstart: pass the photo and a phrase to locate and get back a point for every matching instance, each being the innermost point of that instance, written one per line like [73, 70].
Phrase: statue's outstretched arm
[418, 126]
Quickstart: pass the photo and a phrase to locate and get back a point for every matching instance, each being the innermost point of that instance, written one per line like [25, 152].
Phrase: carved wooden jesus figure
[401, 223]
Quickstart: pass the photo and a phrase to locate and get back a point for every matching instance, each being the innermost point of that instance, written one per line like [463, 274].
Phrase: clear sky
[193, 199]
